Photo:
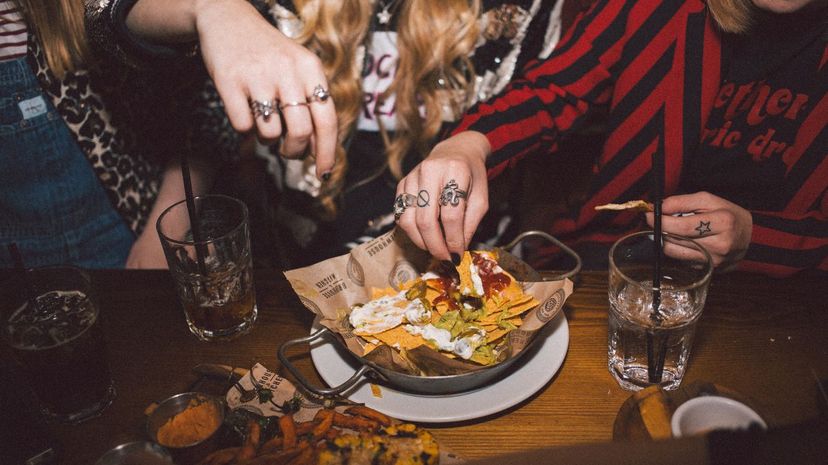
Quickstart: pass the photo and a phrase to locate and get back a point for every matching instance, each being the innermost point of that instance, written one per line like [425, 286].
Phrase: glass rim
[695, 284]
[208, 241]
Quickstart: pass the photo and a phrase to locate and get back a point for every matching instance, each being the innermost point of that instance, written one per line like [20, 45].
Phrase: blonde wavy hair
[734, 16]
[59, 25]
[434, 70]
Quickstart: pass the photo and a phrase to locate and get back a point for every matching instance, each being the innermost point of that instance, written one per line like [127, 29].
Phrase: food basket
[551, 291]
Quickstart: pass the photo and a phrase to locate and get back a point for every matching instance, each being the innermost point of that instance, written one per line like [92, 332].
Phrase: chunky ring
[402, 202]
[263, 108]
[292, 104]
[452, 194]
[319, 94]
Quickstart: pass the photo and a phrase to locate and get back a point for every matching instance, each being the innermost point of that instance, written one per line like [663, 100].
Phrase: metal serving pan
[448, 384]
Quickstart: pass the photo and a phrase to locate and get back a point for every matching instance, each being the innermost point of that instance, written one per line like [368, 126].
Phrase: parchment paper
[329, 289]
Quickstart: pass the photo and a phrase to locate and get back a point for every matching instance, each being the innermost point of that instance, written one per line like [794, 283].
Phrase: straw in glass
[655, 367]
[195, 224]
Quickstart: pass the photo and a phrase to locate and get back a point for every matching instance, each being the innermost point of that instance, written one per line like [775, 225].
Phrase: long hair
[434, 71]
[59, 26]
[733, 16]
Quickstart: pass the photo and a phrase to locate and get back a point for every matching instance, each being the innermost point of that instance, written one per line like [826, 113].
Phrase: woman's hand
[256, 69]
[440, 203]
[722, 227]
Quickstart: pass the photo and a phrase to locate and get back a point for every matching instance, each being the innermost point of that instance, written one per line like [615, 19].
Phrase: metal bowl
[136, 453]
[448, 384]
[172, 406]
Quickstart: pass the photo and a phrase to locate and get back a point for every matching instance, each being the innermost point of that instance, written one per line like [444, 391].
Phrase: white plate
[528, 376]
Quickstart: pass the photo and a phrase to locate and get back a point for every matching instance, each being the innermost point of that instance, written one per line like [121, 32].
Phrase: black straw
[20, 268]
[655, 368]
[195, 224]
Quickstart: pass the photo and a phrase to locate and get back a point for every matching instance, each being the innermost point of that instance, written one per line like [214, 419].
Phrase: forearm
[164, 21]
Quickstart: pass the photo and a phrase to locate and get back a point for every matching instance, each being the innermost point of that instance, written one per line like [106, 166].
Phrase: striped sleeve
[552, 97]
[13, 32]
[796, 239]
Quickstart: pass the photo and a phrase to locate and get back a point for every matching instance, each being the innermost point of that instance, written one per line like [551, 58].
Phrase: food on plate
[357, 435]
[193, 424]
[463, 315]
[638, 205]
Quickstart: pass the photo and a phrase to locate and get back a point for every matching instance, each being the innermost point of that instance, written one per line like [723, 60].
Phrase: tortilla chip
[399, 338]
[636, 205]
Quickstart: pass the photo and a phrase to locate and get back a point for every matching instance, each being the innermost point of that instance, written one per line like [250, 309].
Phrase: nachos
[636, 205]
[463, 315]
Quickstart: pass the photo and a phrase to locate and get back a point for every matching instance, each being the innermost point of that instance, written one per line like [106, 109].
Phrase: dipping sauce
[192, 425]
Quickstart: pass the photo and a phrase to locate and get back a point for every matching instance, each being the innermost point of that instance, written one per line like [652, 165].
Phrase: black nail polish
[326, 175]
[455, 258]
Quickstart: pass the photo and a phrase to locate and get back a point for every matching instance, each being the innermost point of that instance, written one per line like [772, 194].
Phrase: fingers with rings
[319, 103]
[263, 108]
[284, 105]
[402, 202]
[452, 194]
[451, 217]
[319, 94]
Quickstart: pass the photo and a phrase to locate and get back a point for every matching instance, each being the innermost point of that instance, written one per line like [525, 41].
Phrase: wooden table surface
[766, 339]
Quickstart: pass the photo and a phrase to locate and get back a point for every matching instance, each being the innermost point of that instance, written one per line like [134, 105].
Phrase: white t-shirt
[381, 60]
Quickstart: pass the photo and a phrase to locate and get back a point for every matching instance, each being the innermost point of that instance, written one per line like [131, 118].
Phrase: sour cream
[463, 347]
[386, 313]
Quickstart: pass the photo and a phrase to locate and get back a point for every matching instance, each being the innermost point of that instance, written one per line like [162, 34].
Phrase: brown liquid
[220, 318]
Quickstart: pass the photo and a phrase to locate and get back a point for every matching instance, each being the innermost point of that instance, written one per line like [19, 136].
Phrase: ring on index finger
[451, 194]
[319, 94]
[264, 108]
[402, 202]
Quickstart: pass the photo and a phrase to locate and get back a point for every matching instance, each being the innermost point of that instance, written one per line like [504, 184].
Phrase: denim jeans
[51, 202]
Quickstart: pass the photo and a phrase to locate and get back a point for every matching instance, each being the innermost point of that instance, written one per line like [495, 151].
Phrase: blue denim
[51, 202]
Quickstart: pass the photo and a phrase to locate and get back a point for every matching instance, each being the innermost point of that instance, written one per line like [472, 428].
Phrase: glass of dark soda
[50, 323]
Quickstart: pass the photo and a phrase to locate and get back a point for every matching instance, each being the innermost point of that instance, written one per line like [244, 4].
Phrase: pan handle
[322, 392]
[520, 237]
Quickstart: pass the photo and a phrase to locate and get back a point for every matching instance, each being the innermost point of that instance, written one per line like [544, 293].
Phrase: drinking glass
[214, 275]
[50, 321]
[646, 346]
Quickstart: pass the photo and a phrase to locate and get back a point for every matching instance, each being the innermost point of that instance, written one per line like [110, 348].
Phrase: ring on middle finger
[292, 104]
[451, 194]
[264, 108]
[402, 202]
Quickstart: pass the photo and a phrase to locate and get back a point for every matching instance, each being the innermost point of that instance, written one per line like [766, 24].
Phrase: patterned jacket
[657, 66]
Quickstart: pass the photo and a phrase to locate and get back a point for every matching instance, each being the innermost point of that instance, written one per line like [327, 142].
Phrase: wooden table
[764, 338]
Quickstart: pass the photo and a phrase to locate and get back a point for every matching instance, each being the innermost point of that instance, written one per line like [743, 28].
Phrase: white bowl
[701, 415]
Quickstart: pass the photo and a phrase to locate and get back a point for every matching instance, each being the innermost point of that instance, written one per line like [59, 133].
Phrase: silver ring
[451, 194]
[263, 108]
[292, 104]
[402, 202]
[319, 94]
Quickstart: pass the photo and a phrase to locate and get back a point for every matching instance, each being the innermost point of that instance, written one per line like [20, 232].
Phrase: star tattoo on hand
[704, 227]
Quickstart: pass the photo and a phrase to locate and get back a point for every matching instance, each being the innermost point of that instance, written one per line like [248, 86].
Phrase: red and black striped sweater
[660, 69]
